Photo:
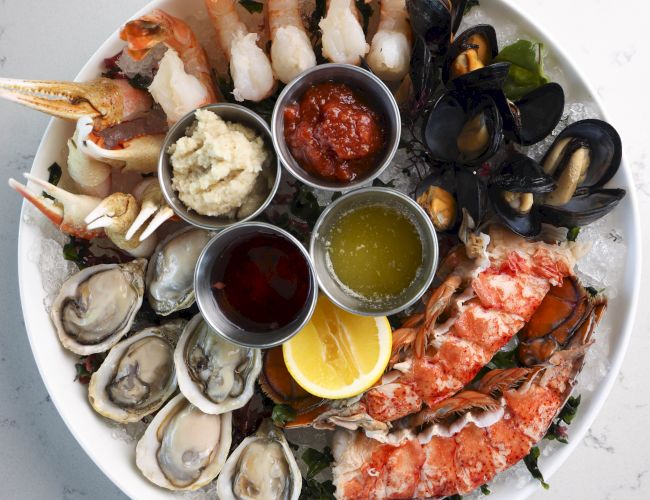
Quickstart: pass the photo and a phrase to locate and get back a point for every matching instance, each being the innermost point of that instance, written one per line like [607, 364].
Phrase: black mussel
[582, 210]
[468, 63]
[512, 191]
[516, 210]
[533, 117]
[436, 195]
[521, 174]
[582, 159]
[463, 127]
[472, 193]
[435, 21]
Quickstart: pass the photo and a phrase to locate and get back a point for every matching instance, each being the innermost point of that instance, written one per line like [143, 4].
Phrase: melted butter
[375, 251]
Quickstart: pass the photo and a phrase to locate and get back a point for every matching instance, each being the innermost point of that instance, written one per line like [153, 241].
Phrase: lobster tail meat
[459, 458]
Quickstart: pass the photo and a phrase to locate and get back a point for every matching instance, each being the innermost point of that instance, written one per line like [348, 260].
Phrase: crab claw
[152, 203]
[115, 214]
[67, 211]
[108, 102]
[139, 154]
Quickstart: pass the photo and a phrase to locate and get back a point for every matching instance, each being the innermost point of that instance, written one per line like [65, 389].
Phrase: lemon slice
[338, 354]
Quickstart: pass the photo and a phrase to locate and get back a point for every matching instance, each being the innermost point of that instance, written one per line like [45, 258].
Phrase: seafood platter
[289, 249]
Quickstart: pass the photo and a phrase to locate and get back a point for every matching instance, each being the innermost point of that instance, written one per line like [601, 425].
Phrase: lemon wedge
[338, 354]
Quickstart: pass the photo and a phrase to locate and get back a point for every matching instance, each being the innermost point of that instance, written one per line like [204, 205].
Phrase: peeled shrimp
[146, 32]
[291, 50]
[177, 92]
[390, 50]
[343, 37]
[250, 68]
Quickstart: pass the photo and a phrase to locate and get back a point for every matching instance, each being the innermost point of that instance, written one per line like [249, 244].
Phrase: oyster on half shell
[95, 307]
[262, 467]
[170, 275]
[184, 448]
[214, 374]
[138, 375]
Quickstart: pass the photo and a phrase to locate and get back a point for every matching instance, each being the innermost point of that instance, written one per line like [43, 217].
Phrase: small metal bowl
[371, 87]
[208, 304]
[232, 113]
[330, 285]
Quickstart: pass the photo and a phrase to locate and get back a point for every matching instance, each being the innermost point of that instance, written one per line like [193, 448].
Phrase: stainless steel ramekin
[232, 113]
[208, 304]
[371, 87]
[330, 285]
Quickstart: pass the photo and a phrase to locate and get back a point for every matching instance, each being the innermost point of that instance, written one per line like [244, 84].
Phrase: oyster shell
[170, 276]
[96, 306]
[184, 448]
[138, 375]
[262, 467]
[214, 374]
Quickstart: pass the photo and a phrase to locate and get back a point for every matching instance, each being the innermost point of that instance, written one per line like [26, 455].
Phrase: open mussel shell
[582, 210]
[538, 112]
[512, 190]
[435, 21]
[184, 448]
[472, 193]
[214, 374]
[526, 224]
[463, 127]
[262, 467]
[602, 148]
[96, 307]
[521, 174]
[138, 375]
[468, 63]
[170, 275]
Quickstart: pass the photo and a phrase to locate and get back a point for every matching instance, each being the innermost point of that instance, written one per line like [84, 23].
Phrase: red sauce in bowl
[333, 133]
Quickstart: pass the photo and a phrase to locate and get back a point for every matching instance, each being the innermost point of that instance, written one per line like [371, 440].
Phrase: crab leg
[108, 102]
[67, 212]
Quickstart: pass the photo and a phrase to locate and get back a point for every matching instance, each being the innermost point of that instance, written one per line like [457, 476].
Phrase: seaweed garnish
[531, 464]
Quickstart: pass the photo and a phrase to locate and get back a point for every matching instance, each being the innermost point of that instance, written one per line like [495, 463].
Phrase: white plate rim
[579, 427]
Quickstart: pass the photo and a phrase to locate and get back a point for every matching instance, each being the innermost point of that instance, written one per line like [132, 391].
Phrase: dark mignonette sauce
[261, 282]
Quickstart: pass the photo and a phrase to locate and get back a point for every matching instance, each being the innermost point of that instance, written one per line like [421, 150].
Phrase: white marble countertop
[52, 40]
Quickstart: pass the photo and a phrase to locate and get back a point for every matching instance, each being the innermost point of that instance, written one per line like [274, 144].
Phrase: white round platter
[115, 457]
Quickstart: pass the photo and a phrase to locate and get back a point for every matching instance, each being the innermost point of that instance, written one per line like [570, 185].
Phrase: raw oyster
[184, 448]
[138, 375]
[96, 306]
[170, 276]
[262, 467]
[214, 374]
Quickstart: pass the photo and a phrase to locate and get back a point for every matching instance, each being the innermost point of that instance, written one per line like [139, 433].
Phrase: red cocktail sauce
[261, 282]
[332, 133]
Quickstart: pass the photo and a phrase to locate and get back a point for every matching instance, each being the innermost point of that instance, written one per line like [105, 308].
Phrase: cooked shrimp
[291, 50]
[250, 68]
[343, 37]
[452, 459]
[390, 49]
[177, 92]
[146, 32]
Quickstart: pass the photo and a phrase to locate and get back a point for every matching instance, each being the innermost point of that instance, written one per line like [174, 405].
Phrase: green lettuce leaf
[526, 70]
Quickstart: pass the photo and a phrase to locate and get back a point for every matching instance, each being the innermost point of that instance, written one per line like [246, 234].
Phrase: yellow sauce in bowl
[375, 251]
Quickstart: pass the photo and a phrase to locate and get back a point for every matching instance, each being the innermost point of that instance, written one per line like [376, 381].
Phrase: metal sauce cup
[231, 113]
[374, 91]
[331, 286]
[209, 307]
